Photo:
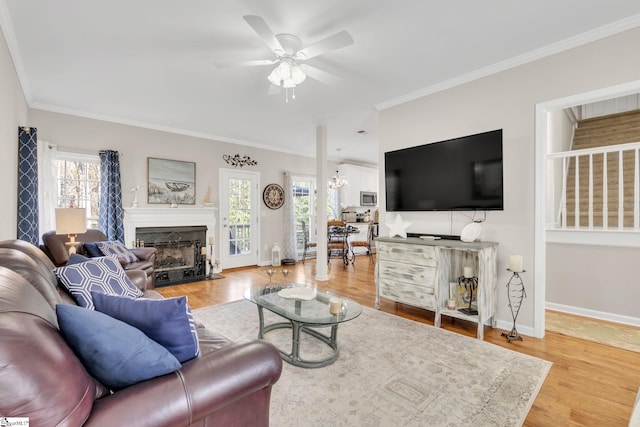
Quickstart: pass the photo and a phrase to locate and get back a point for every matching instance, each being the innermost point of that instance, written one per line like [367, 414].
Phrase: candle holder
[214, 269]
[285, 273]
[516, 293]
[470, 285]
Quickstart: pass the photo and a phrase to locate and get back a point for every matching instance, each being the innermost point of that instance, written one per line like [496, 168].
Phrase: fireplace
[172, 220]
[180, 257]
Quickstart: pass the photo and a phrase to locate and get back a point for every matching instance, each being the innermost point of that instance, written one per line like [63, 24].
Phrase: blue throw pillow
[117, 249]
[166, 321]
[116, 354]
[77, 259]
[92, 249]
[104, 275]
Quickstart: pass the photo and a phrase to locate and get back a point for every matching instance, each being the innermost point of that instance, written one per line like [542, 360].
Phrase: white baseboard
[595, 314]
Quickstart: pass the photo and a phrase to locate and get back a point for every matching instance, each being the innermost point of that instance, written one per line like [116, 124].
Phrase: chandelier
[338, 181]
[287, 74]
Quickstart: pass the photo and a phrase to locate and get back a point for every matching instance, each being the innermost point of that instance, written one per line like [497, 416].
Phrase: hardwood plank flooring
[589, 384]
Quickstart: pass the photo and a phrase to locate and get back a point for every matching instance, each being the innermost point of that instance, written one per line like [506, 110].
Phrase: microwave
[368, 198]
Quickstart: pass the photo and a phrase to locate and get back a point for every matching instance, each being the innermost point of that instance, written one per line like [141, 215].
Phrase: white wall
[13, 113]
[137, 144]
[507, 100]
[598, 280]
[560, 135]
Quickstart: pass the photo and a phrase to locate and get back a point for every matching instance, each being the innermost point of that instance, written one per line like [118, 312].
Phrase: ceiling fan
[290, 70]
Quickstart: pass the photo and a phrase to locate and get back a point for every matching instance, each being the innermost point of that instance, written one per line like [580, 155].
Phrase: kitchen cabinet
[359, 178]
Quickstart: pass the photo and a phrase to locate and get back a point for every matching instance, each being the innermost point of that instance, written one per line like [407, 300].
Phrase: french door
[239, 230]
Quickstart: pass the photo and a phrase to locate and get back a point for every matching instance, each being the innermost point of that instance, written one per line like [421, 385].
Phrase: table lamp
[71, 221]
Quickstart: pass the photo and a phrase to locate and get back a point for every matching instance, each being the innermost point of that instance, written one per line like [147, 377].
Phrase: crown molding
[12, 44]
[160, 128]
[534, 55]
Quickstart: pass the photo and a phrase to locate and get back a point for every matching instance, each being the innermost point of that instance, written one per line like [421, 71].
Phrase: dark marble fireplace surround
[179, 258]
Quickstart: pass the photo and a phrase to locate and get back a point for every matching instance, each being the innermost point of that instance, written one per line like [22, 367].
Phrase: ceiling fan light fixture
[274, 77]
[284, 68]
[288, 83]
[297, 75]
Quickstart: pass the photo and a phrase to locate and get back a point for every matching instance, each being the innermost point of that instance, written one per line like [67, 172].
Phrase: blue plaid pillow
[104, 275]
[117, 249]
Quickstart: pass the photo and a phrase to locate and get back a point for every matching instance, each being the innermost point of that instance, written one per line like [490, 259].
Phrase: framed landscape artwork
[171, 182]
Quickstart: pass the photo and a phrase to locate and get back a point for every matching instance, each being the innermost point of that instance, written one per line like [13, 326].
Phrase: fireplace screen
[179, 258]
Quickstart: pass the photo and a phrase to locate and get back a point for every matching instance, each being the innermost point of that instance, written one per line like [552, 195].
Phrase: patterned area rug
[608, 333]
[392, 372]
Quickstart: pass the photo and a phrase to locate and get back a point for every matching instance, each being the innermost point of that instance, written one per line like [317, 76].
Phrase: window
[304, 205]
[78, 183]
[304, 208]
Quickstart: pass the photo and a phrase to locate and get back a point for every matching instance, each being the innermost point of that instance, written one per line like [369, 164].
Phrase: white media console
[419, 272]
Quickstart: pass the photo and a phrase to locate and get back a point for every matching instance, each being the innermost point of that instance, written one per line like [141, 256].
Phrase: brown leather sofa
[229, 384]
[56, 248]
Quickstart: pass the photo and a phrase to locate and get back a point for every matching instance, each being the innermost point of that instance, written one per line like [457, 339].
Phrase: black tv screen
[457, 174]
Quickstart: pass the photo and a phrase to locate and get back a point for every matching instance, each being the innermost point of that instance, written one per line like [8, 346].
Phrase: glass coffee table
[304, 309]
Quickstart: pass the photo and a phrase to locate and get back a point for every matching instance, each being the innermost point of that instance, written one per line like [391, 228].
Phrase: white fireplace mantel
[166, 217]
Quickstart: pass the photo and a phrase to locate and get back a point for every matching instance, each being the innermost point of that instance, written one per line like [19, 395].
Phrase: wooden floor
[589, 384]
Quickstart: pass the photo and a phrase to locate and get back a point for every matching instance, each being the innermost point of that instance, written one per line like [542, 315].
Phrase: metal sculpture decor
[238, 161]
[516, 293]
[470, 286]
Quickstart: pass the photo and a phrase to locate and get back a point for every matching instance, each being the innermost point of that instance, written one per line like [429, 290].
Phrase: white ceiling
[149, 62]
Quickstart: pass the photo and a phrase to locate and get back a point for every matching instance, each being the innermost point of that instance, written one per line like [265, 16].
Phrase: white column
[321, 184]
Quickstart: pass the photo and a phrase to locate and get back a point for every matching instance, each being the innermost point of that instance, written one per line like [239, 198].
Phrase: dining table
[338, 245]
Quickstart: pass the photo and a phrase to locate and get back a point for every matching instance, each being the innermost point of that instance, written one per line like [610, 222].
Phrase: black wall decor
[238, 161]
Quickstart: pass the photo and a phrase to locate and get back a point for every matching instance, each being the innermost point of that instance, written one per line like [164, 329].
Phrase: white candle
[335, 306]
[211, 240]
[468, 272]
[515, 263]
[203, 250]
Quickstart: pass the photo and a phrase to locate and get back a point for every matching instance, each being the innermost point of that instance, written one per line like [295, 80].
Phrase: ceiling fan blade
[244, 63]
[265, 33]
[336, 41]
[320, 75]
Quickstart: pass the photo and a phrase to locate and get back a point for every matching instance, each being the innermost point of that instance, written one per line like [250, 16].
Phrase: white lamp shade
[274, 77]
[297, 75]
[284, 69]
[71, 220]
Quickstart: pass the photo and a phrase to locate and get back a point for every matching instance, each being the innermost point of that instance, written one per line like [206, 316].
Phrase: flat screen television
[461, 174]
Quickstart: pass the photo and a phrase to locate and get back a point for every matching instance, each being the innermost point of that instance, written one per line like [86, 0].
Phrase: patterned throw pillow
[117, 249]
[115, 353]
[168, 322]
[104, 275]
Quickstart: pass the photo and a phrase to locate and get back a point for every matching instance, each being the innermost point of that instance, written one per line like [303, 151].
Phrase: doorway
[239, 226]
[542, 135]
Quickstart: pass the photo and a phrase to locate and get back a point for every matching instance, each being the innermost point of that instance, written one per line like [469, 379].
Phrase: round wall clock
[273, 196]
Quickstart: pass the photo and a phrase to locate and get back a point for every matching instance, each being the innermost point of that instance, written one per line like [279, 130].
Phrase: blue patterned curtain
[111, 212]
[28, 185]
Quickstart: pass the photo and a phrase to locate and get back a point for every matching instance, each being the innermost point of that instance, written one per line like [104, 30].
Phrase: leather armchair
[56, 248]
[228, 384]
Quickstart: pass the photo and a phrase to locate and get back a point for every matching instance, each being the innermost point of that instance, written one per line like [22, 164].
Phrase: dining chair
[337, 246]
[307, 243]
[368, 244]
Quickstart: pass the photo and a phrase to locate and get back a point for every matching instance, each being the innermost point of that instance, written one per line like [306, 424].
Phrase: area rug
[392, 372]
[608, 333]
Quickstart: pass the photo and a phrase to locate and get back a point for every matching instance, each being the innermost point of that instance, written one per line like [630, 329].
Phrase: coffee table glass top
[314, 311]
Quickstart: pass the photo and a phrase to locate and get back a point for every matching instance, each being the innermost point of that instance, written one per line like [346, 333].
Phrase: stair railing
[617, 151]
